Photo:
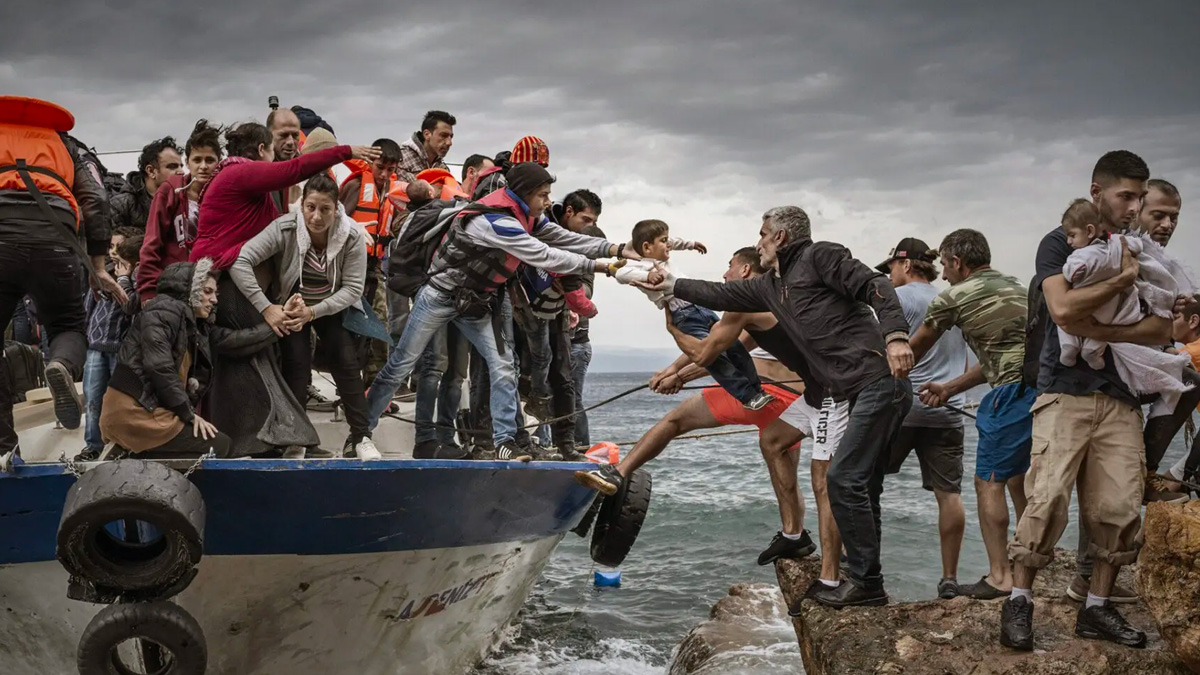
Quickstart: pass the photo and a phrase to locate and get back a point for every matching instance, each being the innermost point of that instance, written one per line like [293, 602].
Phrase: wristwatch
[620, 249]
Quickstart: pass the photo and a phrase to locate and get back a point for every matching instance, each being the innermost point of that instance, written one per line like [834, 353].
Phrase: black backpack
[412, 251]
[24, 368]
[1035, 335]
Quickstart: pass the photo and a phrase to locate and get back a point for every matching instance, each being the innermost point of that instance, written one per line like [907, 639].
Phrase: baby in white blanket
[1160, 279]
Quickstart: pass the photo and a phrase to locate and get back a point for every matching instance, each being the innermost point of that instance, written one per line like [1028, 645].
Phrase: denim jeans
[97, 369]
[53, 277]
[581, 358]
[734, 369]
[538, 341]
[432, 310]
[561, 382]
[856, 474]
[480, 385]
[440, 373]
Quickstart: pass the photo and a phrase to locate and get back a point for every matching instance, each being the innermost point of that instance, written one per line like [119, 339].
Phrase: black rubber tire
[166, 624]
[138, 490]
[620, 519]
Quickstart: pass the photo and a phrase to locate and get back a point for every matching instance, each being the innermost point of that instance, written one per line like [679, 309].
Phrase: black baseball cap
[909, 248]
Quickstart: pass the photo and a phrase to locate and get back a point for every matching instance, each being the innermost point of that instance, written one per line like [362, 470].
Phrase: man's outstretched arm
[749, 295]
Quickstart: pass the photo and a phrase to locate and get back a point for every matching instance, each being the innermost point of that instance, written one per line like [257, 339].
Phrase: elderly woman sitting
[165, 365]
[317, 258]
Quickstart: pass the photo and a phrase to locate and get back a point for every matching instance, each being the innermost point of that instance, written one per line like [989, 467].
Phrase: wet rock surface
[961, 636]
[1168, 576]
[735, 624]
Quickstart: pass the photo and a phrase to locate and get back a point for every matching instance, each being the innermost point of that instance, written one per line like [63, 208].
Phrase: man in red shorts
[782, 424]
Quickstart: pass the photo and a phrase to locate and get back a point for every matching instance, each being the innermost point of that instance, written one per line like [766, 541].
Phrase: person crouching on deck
[165, 366]
[318, 258]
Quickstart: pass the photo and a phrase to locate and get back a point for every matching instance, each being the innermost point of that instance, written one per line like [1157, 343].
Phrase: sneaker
[88, 455]
[849, 595]
[759, 402]
[543, 454]
[538, 407]
[425, 449]
[317, 452]
[452, 451]
[366, 451]
[604, 478]
[483, 453]
[1119, 595]
[68, 405]
[1104, 622]
[782, 547]
[318, 402]
[815, 587]
[1016, 624]
[509, 451]
[1160, 488]
[571, 454]
[948, 588]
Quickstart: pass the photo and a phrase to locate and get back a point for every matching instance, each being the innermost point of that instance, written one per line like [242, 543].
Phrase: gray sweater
[285, 242]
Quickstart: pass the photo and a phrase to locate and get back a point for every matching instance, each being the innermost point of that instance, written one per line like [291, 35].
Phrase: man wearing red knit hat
[531, 149]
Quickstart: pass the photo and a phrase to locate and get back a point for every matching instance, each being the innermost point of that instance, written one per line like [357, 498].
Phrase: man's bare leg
[952, 523]
[775, 442]
[1016, 490]
[993, 525]
[690, 415]
[831, 539]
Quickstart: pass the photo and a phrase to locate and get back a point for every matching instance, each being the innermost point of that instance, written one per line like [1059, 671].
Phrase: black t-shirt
[1080, 379]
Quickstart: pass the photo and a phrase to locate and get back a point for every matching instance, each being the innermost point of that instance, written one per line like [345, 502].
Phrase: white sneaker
[366, 450]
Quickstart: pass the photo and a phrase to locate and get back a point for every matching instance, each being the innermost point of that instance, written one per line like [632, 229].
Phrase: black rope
[960, 411]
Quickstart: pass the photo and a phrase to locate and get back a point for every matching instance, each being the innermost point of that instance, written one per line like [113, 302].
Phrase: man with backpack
[481, 248]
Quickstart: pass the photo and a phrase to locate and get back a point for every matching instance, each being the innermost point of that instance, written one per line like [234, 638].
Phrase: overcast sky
[881, 119]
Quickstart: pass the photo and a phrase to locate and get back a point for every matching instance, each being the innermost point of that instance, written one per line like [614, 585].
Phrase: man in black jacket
[823, 298]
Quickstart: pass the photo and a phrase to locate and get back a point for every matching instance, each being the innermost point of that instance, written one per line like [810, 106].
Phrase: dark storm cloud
[875, 116]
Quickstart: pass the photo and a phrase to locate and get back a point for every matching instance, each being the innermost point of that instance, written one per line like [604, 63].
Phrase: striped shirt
[315, 285]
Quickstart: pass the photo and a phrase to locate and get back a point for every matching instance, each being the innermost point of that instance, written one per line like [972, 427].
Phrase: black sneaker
[483, 453]
[543, 454]
[604, 478]
[509, 451]
[451, 451]
[68, 405]
[425, 449]
[782, 547]
[759, 402]
[539, 407]
[88, 455]
[1016, 624]
[571, 454]
[948, 588]
[1104, 622]
[318, 402]
[849, 595]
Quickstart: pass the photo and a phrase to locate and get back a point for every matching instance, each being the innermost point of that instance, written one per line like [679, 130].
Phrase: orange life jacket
[32, 150]
[372, 209]
[446, 182]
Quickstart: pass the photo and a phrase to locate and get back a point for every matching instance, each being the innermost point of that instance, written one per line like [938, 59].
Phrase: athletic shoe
[366, 451]
[318, 402]
[1119, 595]
[1161, 488]
[538, 407]
[509, 451]
[604, 478]
[543, 454]
[1104, 622]
[571, 454]
[483, 453]
[948, 588]
[849, 595]
[759, 402]
[88, 455]
[425, 449]
[782, 547]
[1016, 624]
[815, 587]
[68, 404]
[452, 451]
[317, 452]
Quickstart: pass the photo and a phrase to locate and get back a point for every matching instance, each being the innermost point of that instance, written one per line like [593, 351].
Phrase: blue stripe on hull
[260, 507]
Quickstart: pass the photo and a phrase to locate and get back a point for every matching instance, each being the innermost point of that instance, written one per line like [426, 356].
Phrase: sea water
[712, 512]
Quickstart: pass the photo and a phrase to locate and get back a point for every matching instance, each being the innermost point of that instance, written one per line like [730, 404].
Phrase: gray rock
[735, 623]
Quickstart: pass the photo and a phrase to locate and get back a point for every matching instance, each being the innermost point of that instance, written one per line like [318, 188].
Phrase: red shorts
[728, 410]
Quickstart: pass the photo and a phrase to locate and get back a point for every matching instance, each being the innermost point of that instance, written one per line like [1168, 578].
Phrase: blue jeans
[856, 473]
[480, 386]
[440, 373]
[97, 370]
[734, 369]
[581, 358]
[432, 310]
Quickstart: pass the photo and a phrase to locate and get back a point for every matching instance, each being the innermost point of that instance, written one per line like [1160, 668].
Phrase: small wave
[611, 656]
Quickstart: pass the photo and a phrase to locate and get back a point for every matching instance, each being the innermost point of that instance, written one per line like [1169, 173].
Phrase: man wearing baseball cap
[935, 433]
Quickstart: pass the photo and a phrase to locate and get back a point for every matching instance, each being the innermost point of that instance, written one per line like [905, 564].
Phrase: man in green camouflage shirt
[991, 310]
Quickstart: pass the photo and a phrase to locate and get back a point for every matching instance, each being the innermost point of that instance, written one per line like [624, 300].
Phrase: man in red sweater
[171, 226]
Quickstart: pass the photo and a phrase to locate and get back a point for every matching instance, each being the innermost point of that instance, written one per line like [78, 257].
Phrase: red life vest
[33, 157]
[485, 269]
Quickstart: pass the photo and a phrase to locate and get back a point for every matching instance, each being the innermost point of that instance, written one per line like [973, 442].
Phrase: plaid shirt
[413, 159]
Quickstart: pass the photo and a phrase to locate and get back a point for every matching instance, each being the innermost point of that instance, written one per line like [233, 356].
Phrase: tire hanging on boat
[177, 635]
[620, 519]
[128, 491]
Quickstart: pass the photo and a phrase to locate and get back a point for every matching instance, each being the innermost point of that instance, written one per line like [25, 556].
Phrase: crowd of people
[196, 297]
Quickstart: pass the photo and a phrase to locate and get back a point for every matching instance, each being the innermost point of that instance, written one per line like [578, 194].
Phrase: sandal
[948, 588]
[982, 590]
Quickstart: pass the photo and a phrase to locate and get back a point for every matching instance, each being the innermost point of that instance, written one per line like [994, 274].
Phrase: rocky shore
[960, 636]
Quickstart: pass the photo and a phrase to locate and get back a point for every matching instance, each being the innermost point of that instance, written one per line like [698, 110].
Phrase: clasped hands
[290, 317]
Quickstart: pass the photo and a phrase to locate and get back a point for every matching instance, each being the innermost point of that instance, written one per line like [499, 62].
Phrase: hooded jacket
[170, 232]
[131, 207]
[823, 298]
[284, 244]
[164, 331]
